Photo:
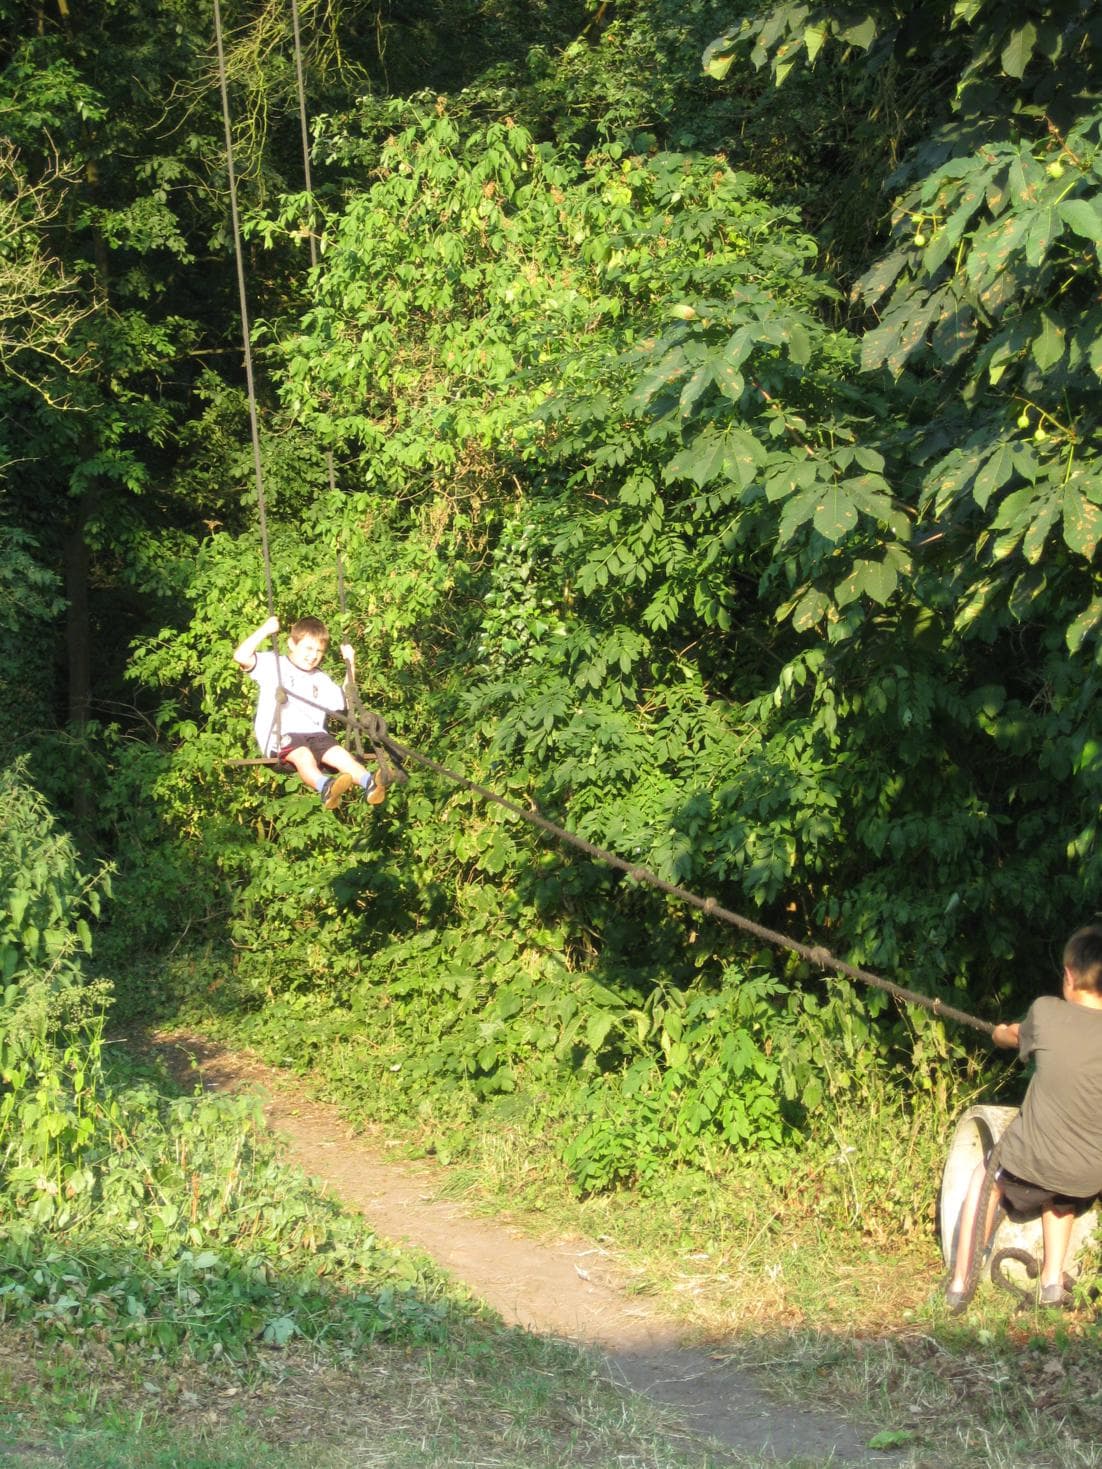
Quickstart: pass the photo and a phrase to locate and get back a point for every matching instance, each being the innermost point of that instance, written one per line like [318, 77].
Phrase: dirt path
[562, 1290]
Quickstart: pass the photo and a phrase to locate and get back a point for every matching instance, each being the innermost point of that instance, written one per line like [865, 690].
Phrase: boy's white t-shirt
[311, 696]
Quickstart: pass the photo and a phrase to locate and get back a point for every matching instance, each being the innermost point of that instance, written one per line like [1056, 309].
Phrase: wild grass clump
[1005, 1393]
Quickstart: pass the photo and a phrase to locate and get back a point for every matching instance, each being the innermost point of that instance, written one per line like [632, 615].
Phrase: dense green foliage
[716, 466]
[130, 1216]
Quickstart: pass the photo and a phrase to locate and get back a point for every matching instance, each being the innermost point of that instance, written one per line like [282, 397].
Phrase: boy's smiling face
[306, 652]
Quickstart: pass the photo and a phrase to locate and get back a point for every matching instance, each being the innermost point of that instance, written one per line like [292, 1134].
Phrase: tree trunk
[78, 642]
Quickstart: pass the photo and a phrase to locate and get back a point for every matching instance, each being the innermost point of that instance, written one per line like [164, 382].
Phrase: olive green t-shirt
[1056, 1139]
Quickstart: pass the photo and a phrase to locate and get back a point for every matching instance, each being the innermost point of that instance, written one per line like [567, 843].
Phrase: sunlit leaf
[799, 344]
[835, 514]
[862, 34]
[1048, 346]
[1082, 521]
[1045, 227]
[997, 470]
[1083, 624]
[810, 610]
[1017, 51]
[814, 36]
[1082, 215]
[1033, 542]
[719, 57]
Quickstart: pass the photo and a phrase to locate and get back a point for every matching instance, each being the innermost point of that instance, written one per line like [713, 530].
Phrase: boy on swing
[293, 730]
[1051, 1153]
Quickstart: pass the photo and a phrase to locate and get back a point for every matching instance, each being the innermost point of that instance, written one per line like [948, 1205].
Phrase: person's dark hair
[1083, 957]
[310, 627]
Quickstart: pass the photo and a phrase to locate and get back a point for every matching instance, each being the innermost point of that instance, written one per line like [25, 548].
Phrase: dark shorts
[1023, 1197]
[319, 745]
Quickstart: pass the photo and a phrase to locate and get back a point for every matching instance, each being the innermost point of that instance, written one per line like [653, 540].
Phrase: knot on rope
[1032, 1269]
[375, 731]
[821, 956]
[281, 695]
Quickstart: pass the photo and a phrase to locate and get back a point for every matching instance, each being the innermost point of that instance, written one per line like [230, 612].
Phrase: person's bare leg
[308, 768]
[966, 1230]
[1056, 1226]
[347, 764]
[341, 759]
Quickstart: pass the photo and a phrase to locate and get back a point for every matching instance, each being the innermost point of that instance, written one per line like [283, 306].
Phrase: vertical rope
[304, 130]
[355, 708]
[352, 693]
[244, 307]
[281, 695]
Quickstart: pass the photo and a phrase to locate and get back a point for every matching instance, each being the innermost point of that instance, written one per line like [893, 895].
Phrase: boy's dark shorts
[319, 745]
[1023, 1197]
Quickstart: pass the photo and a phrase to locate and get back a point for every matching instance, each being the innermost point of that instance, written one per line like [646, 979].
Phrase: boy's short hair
[1083, 958]
[309, 627]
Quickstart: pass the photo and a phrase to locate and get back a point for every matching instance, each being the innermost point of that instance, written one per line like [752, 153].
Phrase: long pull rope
[246, 333]
[814, 954]
[382, 740]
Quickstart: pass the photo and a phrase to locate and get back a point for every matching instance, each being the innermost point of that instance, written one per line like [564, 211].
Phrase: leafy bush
[50, 1017]
[141, 1218]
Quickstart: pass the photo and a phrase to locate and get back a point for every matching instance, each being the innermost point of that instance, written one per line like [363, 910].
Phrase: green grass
[820, 1267]
[489, 1396]
[205, 1306]
[998, 1391]
[805, 1278]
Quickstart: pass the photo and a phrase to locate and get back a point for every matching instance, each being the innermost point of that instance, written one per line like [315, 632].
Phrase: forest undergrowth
[173, 1294]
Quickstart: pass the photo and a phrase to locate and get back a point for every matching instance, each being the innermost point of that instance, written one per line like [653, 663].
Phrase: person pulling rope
[1049, 1159]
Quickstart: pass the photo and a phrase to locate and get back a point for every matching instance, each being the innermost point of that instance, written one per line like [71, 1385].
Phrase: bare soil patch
[566, 1289]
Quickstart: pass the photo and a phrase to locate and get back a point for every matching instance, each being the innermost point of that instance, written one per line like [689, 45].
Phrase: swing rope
[307, 175]
[390, 773]
[351, 692]
[250, 382]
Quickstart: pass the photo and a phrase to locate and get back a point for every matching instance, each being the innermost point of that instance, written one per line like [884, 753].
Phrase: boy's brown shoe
[375, 790]
[335, 789]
